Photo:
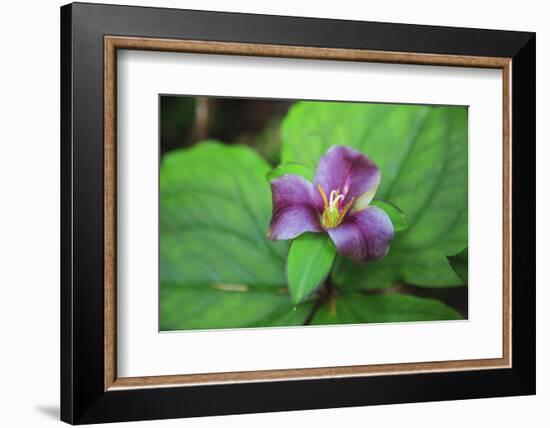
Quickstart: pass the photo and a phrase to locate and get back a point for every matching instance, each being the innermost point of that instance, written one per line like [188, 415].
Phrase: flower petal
[344, 168]
[296, 207]
[364, 236]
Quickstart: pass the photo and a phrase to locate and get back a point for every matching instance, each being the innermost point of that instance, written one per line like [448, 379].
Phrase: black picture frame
[83, 396]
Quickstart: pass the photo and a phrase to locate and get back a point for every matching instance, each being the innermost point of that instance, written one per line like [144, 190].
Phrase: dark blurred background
[185, 120]
[254, 122]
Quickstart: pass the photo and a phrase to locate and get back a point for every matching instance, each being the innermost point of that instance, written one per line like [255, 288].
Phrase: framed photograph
[265, 213]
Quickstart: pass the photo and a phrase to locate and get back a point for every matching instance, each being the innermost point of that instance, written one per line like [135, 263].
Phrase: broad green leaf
[291, 168]
[459, 263]
[223, 306]
[355, 308]
[429, 265]
[215, 207]
[396, 216]
[422, 152]
[309, 260]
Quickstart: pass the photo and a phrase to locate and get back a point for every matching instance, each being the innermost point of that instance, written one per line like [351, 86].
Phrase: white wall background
[29, 213]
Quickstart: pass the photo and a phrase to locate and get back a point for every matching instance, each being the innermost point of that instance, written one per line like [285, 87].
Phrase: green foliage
[291, 168]
[396, 216]
[266, 143]
[422, 153]
[459, 263]
[226, 306]
[219, 270]
[217, 267]
[354, 308]
[309, 260]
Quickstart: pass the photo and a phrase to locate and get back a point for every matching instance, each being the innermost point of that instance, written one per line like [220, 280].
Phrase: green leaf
[218, 306]
[396, 216]
[291, 168]
[459, 263]
[309, 260]
[430, 266]
[355, 308]
[217, 267]
[422, 152]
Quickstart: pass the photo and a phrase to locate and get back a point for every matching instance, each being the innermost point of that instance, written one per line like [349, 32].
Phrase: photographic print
[278, 213]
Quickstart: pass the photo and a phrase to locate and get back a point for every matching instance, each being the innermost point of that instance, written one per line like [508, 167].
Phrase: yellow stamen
[332, 216]
[346, 209]
[323, 195]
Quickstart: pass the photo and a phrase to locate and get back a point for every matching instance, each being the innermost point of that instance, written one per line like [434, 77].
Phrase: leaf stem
[327, 293]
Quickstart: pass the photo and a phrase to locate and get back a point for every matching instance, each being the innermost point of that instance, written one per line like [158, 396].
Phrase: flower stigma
[334, 207]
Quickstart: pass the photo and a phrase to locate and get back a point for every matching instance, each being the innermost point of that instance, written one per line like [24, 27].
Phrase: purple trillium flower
[337, 203]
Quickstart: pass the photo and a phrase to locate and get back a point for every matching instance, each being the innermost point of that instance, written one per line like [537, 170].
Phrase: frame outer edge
[66, 211]
[524, 215]
[87, 211]
[83, 397]
[239, 27]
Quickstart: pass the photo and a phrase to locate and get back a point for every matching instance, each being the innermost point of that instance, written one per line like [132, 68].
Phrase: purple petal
[364, 236]
[296, 207]
[344, 168]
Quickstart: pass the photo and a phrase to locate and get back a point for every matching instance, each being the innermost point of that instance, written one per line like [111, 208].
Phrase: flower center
[335, 208]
